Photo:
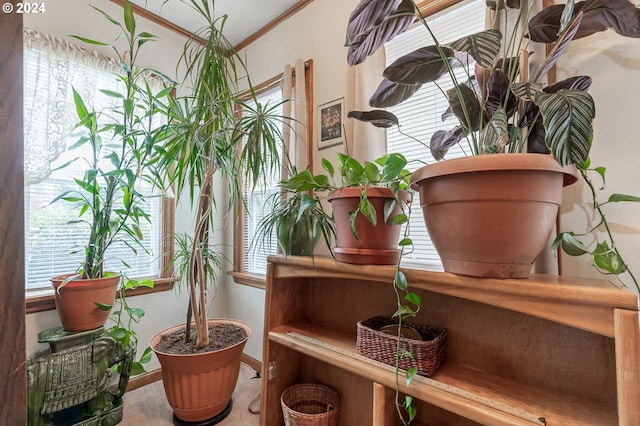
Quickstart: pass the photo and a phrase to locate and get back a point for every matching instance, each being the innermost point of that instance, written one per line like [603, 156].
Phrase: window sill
[252, 280]
[44, 300]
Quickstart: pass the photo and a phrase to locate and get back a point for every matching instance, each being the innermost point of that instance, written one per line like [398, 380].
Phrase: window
[250, 260]
[51, 68]
[254, 253]
[420, 115]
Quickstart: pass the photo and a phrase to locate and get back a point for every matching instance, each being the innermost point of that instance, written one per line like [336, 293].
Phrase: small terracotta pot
[199, 386]
[491, 215]
[75, 301]
[378, 243]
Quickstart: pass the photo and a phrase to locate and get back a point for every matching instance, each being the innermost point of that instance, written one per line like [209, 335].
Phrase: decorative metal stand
[69, 384]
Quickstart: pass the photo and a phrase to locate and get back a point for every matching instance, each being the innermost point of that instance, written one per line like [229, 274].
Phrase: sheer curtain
[50, 65]
[296, 141]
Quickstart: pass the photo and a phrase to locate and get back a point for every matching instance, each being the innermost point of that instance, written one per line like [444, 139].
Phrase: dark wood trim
[271, 25]
[551, 74]
[144, 13]
[429, 7]
[13, 375]
[308, 88]
[47, 303]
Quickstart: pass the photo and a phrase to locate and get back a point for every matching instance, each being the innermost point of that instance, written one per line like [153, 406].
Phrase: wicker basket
[428, 354]
[310, 404]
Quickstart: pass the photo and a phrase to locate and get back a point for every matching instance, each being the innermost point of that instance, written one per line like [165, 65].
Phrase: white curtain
[48, 99]
[52, 67]
[296, 141]
[364, 141]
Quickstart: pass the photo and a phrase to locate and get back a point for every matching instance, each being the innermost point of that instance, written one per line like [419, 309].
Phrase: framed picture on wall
[331, 119]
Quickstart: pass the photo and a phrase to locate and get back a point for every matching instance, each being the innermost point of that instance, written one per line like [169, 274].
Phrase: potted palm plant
[120, 141]
[369, 205]
[209, 139]
[504, 109]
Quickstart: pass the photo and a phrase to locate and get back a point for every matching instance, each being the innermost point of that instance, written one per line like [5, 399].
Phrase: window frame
[239, 250]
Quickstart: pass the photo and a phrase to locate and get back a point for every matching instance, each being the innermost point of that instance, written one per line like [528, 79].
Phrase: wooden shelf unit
[547, 350]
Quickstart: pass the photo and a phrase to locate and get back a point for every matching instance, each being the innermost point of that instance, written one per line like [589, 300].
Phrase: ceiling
[245, 17]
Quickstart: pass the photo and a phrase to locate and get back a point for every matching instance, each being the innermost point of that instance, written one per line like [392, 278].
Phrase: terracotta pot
[378, 243]
[199, 386]
[75, 301]
[491, 215]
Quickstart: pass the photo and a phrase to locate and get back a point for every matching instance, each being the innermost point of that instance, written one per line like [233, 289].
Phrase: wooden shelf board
[479, 396]
[586, 304]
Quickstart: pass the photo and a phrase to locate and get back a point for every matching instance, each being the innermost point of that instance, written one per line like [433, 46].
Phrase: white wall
[614, 64]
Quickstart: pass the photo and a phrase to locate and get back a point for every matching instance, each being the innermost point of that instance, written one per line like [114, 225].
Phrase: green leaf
[136, 313]
[353, 214]
[410, 374]
[400, 281]
[571, 245]
[89, 41]
[367, 209]
[146, 356]
[615, 198]
[136, 368]
[393, 166]
[81, 108]
[398, 219]
[608, 260]
[567, 116]
[483, 46]
[103, 307]
[326, 164]
[129, 19]
[111, 93]
[306, 203]
[146, 282]
[372, 172]
[405, 242]
[413, 298]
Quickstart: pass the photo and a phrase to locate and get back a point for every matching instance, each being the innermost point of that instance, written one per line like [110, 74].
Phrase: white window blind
[52, 246]
[258, 200]
[420, 116]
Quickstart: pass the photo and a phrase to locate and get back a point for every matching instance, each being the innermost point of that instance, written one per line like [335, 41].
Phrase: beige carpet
[148, 406]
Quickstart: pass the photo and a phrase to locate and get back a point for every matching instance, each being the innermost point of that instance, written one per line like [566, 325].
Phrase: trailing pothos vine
[606, 257]
[408, 305]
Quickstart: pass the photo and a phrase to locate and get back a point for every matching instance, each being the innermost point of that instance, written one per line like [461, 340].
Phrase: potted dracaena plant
[504, 109]
[120, 141]
[209, 139]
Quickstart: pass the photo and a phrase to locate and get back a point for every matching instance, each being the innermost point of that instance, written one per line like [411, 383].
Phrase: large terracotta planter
[199, 386]
[76, 301]
[491, 215]
[378, 243]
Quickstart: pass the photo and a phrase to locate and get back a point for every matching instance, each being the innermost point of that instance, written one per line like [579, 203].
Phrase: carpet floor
[148, 406]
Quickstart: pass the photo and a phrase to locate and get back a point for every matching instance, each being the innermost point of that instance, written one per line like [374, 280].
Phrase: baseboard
[149, 377]
[251, 362]
[144, 379]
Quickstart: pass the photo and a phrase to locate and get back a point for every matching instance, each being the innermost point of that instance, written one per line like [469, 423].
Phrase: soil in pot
[221, 336]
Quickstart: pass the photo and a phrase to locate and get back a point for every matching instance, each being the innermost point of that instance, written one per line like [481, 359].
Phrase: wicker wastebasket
[310, 404]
